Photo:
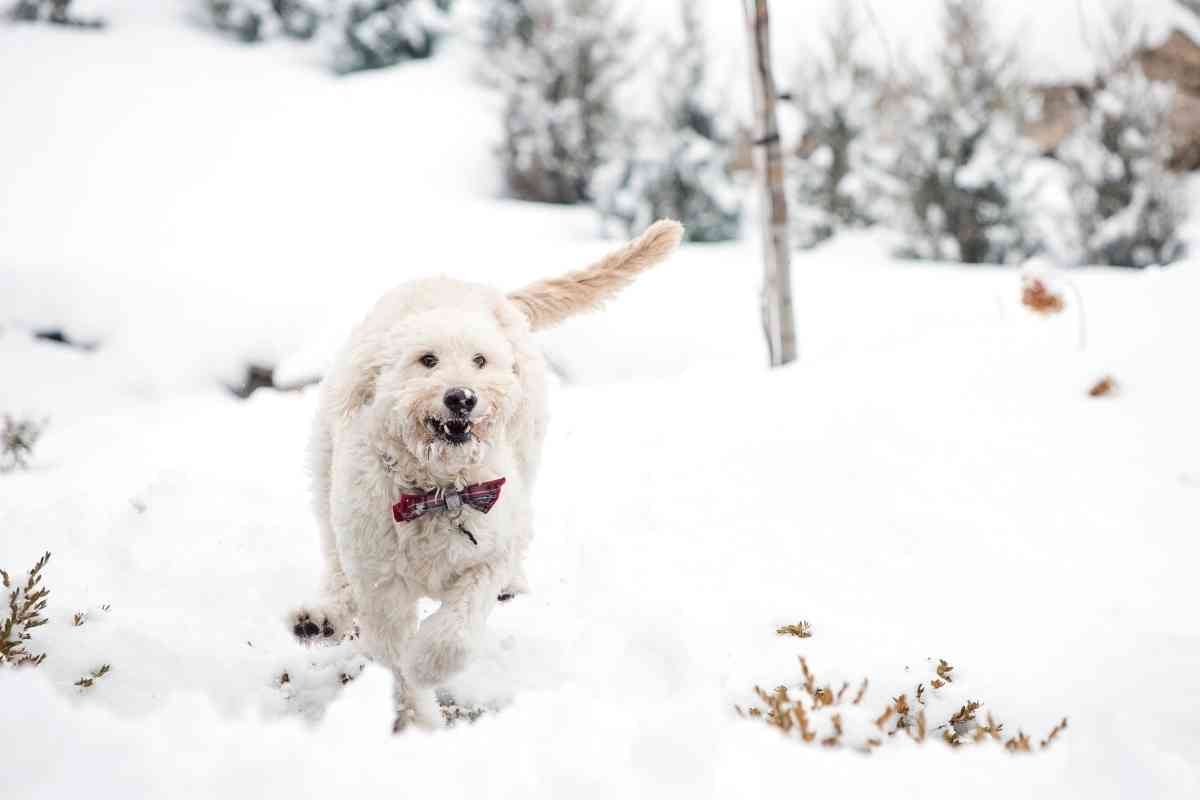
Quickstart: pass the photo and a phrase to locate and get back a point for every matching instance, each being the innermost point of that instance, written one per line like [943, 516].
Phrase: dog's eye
[480, 362]
[429, 360]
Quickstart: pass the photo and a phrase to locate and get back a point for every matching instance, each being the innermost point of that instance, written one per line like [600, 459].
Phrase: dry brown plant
[1037, 297]
[793, 715]
[801, 630]
[1103, 387]
[25, 605]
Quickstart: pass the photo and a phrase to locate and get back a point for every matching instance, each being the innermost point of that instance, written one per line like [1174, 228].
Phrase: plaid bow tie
[479, 496]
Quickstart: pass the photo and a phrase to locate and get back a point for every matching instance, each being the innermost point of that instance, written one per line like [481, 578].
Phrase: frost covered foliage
[506, 21]
[380, 33]
[255, 20]
[1127, 206]
[17, 440]
[837, 99]
[368, 34]
[678, 163]
[957, 166]
[56, 12]
[559, 78]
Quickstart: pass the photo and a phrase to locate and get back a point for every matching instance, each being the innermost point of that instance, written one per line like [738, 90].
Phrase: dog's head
[444, 384]
[449, 368]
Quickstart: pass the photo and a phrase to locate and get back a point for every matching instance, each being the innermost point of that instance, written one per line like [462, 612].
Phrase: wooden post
[778, 322]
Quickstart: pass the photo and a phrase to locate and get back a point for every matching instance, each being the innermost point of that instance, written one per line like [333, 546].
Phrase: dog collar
[479, 496]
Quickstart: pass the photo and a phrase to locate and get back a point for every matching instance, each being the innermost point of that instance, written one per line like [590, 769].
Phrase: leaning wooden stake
[778, 322]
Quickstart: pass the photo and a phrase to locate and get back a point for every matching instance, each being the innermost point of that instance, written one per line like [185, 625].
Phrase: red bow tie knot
[479, 496]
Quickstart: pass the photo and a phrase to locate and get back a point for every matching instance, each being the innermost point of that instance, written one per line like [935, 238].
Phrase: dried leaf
[1018, 744]
[1055, 731]
[1103, 387]
[801, 630]
[1037, 297]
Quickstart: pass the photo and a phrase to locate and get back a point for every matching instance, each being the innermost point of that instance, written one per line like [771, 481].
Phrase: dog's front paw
[415, 709]
[318, 625]
[412, 718]
[434, 657]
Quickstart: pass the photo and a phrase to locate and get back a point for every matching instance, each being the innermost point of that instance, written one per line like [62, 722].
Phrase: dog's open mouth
[456, 430]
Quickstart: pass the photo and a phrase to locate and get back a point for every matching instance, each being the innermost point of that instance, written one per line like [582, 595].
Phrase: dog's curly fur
[378, 434]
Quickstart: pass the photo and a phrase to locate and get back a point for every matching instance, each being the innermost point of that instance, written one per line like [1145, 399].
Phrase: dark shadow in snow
[60, 336]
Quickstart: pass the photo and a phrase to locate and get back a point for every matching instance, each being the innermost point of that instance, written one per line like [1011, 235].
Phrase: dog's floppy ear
[549, 302]
[353, 384]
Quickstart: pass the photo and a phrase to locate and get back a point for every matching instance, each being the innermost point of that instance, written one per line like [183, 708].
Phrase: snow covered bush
[53, 11]
[1127, 207]
[17, 439]
[255, 20]
[678, 162]
[837, 99]
[560, 119]
[380, 33]
[957, 167]
[367, 34]
[506, 21]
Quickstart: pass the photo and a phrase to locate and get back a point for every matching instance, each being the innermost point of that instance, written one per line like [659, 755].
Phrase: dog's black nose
[460, 400]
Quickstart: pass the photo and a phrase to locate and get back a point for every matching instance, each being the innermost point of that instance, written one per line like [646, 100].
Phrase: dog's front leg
[386, 605]
[414, 705]
[388, 617]
[445, 640]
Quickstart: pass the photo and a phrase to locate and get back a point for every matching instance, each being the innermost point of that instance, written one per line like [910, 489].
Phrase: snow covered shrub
[957, 168]
[368, 34]
[53, 11]
[255, 20]
[17, 439]
[560, 119]
[678, 162]
[1127, 206]
[380, 33]
[688, 180]
[26, 601]
[837, 98]
[506, 21]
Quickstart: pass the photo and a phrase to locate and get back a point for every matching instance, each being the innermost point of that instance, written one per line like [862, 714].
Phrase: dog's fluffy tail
[549, 302]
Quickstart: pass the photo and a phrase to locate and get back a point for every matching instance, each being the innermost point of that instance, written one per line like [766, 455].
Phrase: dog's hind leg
[517, 584]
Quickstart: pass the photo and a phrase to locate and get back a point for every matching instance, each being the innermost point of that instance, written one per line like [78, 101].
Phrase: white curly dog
[424, 453]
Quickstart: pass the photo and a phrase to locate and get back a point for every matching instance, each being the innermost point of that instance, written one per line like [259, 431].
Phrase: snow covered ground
[930, 481]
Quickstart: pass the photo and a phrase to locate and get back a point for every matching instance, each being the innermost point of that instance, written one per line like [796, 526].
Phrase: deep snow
[930, 481]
